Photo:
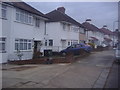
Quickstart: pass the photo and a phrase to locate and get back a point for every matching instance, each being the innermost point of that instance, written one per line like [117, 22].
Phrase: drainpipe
[45, 28]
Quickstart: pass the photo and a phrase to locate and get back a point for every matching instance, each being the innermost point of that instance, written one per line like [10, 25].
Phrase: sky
[101, 13]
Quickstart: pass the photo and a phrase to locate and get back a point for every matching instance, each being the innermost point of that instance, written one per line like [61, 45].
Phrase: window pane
[17, 16]
[25, 46]
[21, 46]
[3, 13]
[64, 26]
[4, 6]
[16, 46]
[0, 46]
[2, 39]
[29, 45]
[29, 20]
[26, 18]
[37, 22]
[22, 16]
[3, 46]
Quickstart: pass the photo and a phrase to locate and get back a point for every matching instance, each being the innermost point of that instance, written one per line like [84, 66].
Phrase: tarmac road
[88, 72]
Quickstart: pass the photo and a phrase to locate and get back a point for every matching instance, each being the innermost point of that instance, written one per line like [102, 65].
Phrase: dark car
[75, 49]
[87, 48]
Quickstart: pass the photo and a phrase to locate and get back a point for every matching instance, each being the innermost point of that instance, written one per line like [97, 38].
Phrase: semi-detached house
[102, 36]
[27, 30]
[23, 28]
[63, 30]
[93, 33]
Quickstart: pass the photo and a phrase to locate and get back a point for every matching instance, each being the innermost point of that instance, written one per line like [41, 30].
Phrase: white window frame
[4, 8]
[37, 22]
[23, 44]
[2, 41]
[24, 17]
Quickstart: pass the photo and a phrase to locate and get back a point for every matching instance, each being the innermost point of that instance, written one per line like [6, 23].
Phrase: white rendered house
[93, 34]
[61, 30]
[23, 29]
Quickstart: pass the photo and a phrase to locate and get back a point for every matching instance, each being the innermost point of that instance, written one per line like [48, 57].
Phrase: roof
[106, 31]
[90, 27]
[26, 7]
[56, 16]
[94, 38]
[108, 39]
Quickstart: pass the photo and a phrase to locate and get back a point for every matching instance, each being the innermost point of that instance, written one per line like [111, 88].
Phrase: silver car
[117, 52]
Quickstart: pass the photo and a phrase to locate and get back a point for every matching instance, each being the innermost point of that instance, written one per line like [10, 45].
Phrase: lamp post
[114, 31]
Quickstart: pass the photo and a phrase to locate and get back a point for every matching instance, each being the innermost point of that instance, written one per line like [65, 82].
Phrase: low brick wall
[67, 59]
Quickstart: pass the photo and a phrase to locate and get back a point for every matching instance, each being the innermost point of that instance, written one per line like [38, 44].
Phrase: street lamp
[114, 31]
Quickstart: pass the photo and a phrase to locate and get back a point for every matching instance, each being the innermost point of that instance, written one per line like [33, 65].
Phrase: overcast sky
[101, 13]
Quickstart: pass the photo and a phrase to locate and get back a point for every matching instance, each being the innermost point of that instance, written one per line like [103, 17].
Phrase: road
[89, 72]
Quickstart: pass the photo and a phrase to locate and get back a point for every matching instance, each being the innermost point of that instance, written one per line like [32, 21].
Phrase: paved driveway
[88, 72]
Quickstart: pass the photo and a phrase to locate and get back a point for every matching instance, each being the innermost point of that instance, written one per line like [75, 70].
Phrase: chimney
[105, 26]
[88, 20]
[61, 9]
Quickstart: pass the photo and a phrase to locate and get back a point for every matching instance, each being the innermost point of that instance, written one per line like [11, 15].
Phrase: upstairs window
[2, 44]
[4, 11]
[64, 26]
[37, 22]
[75, 29]
[23, 16]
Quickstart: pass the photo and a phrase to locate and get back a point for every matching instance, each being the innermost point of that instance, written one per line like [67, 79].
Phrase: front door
[37, 47]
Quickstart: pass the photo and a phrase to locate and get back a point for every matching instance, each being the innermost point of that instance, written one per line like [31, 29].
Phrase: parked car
[86, 47]
[117, 53]
[75, 49]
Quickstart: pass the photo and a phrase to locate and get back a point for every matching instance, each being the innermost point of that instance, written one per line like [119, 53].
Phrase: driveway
[88, 72]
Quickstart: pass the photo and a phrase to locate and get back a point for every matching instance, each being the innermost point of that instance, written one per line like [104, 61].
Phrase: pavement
[113, 77]
[89, 72]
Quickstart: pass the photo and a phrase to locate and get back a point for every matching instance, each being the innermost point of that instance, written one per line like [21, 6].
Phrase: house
[23, 29]
[108, 36]
[93, 33]
[62, 30]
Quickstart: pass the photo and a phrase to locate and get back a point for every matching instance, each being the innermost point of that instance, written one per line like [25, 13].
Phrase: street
[88, 72]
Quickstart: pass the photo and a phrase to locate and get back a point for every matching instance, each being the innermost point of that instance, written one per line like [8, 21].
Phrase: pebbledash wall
[13, 30]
